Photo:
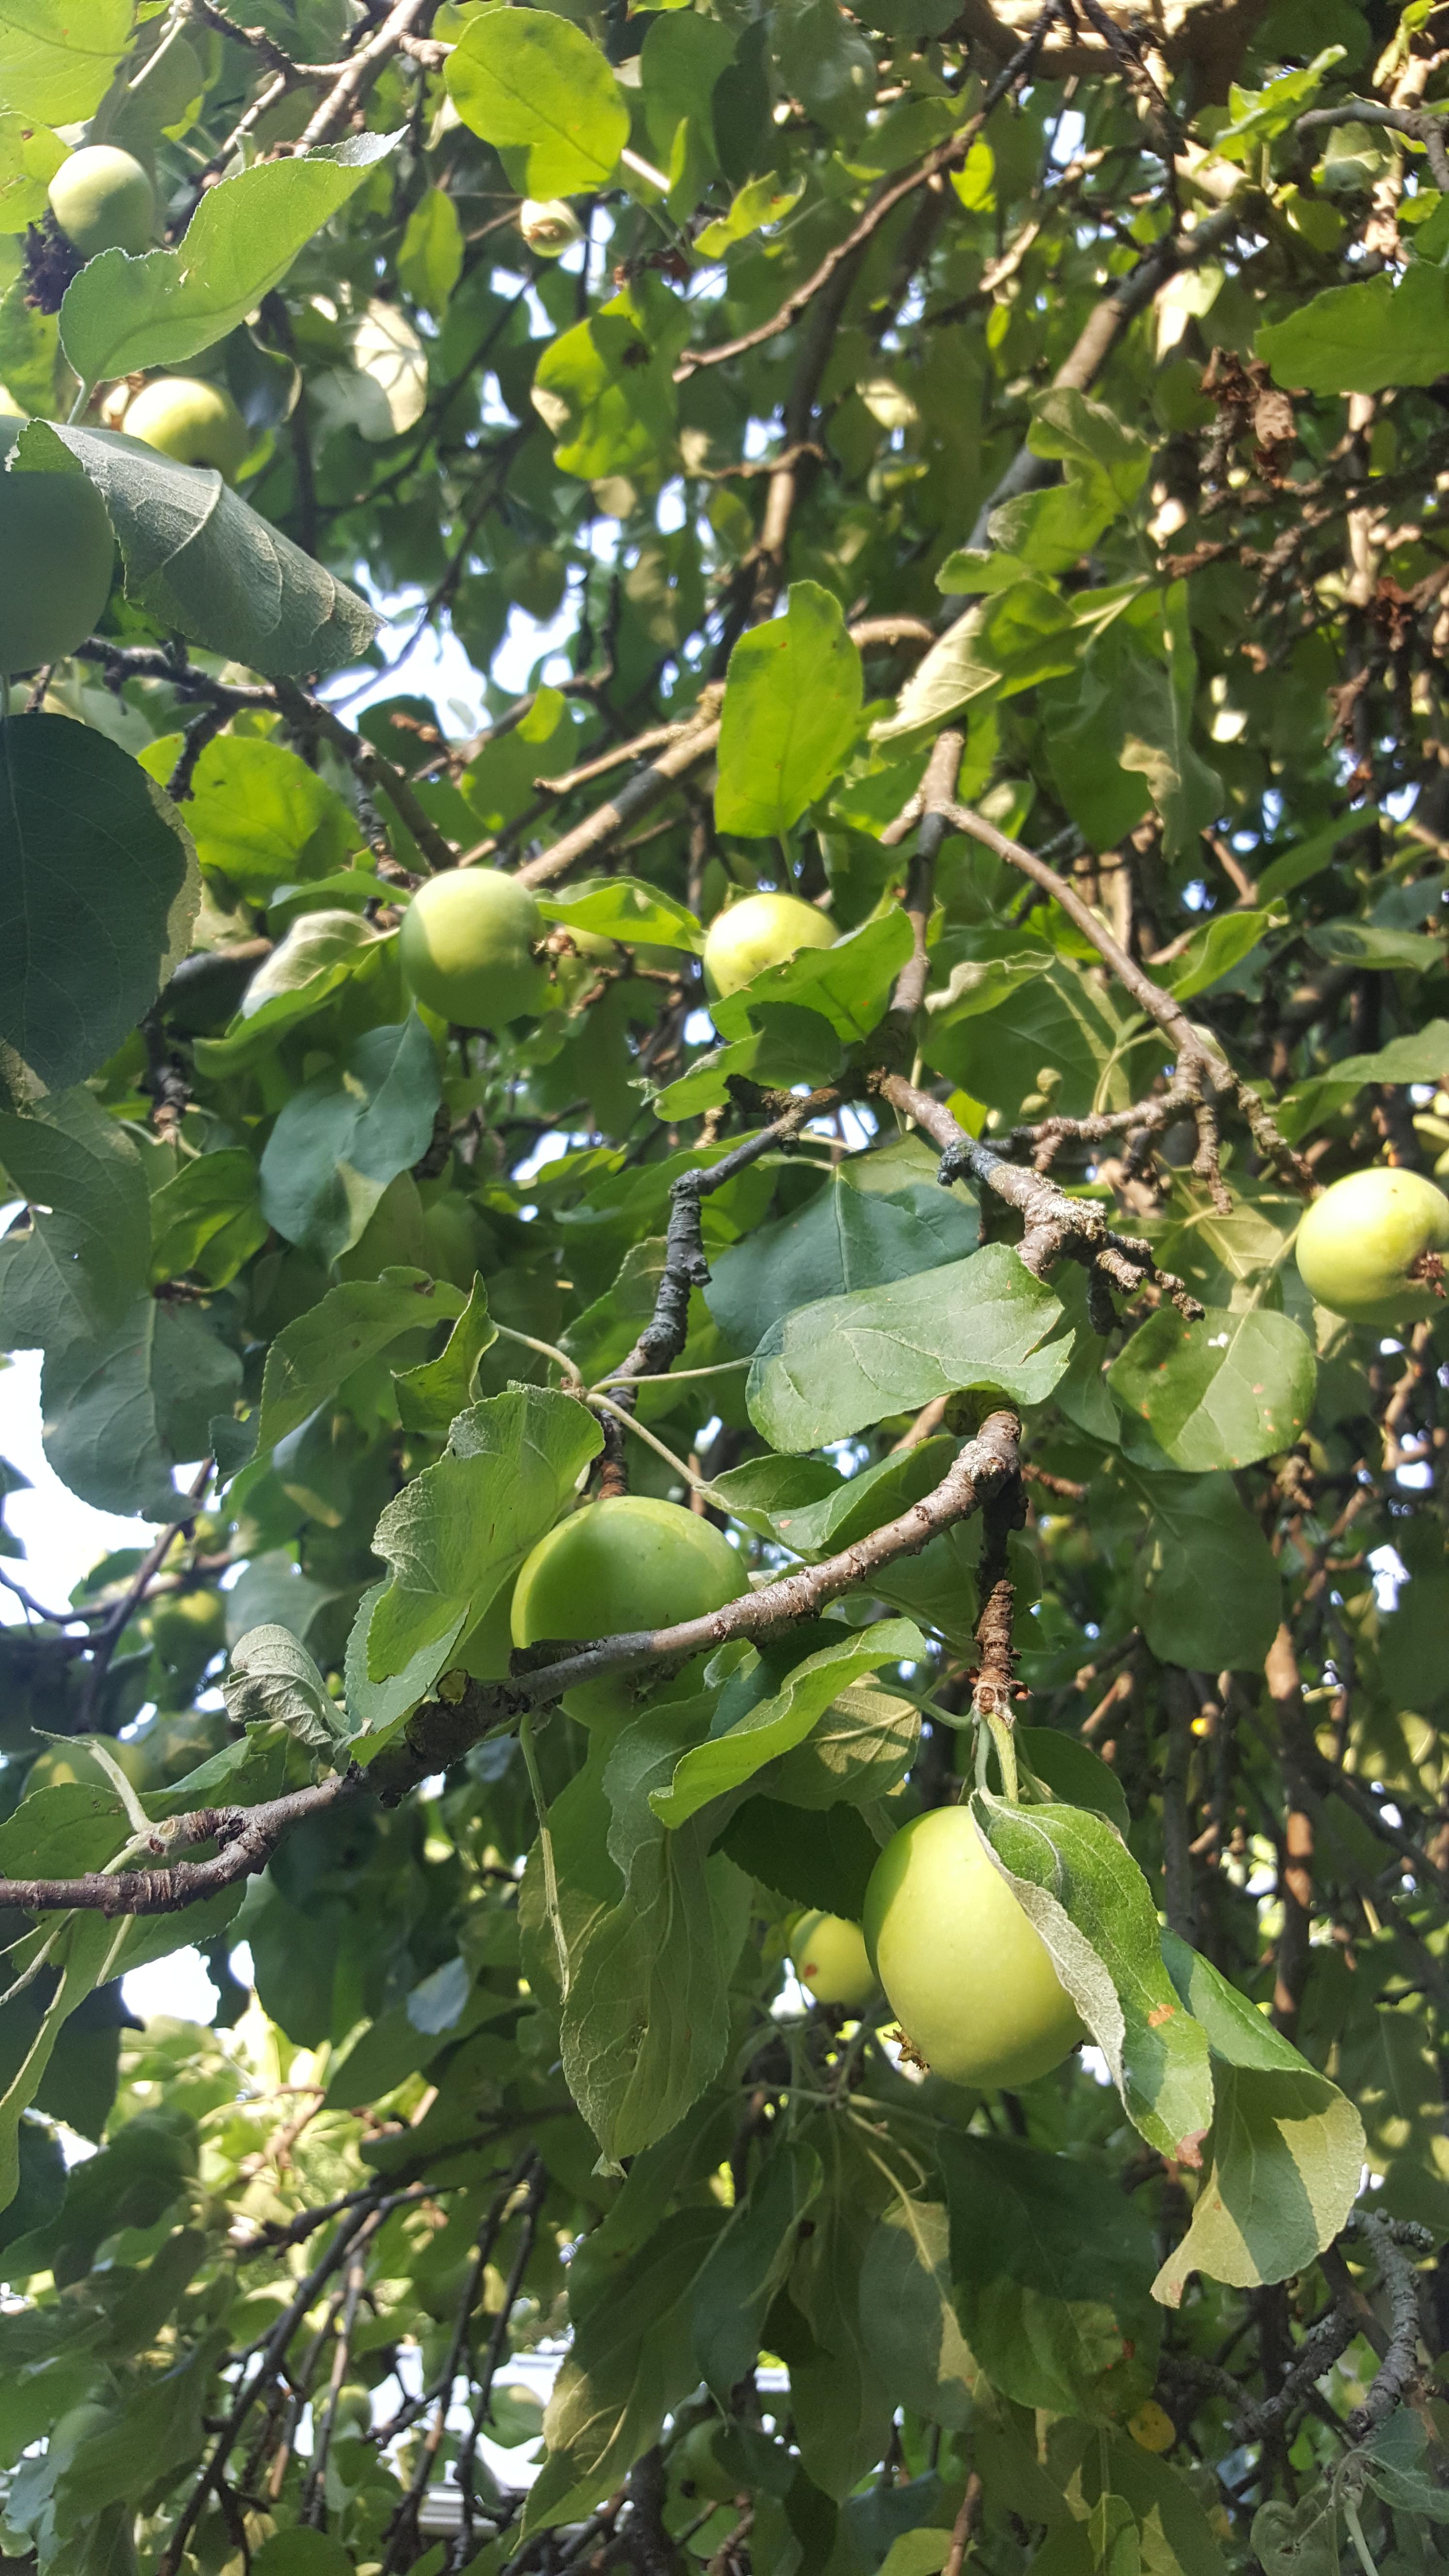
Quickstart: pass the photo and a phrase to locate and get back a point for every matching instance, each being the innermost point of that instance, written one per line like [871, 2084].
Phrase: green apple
[966, 1974]
[467, 948]
[549, 226]
[195, 422]
[58, 552]
[103, 199]
[831, 1960]
[762, 931]
[631, 1562]
[1358, 1245]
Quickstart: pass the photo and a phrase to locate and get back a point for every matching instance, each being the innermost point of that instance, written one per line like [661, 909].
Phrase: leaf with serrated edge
[1073, 1875]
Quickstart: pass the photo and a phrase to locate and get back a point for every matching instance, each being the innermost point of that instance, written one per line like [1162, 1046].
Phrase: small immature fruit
[103, 199]
[1360, 1244]
[549, 226]
[467, 944]
[967, 1974]
[195, 422]
[762, 931]
[58, 552]
[630, 1562]
[831, 1960]
[1152, 2426]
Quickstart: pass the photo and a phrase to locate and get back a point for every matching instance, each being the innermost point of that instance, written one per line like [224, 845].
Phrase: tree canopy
[975, 476]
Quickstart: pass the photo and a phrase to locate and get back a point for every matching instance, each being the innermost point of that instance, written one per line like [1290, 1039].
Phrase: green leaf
[1286, 2150]
[604, 392]
[454, 1534]
[1357, 339]
[823, 1860]
[916, 2339]
[864, 1501]
[534, 85]
[999, 1020]
[776, 1724]
[82, 1953]
[123, 1408]
[208, 1219]
[1053, 2272]
[431, 1396]
[631, 2359]
[1079, 1776]
[624, 908]
[311, 1358]
[791, 714]
[1214, 950]
[301, 2552]
[843, 1239]
[1089, 1901]
[57, 65]
[831, 1368]
[29, 159]
[271, 1675]
[98, 892]
[123, 314]
[320, 953]
[198, 560]
[341, 1138]
[1235, 1386]
[861, 1750]
[85, 1257]
[748, 2263]
[430, 261]
[264, 819]
[1206, 1589]
[758, 204]
[653, 1927]
[1105, 468]
[1021, 635]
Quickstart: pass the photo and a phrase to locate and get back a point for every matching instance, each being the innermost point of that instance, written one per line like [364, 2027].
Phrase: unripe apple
[467, 944]
[831, 1960]
[195, 422]
[965, 1972]
[103, 199]
[57, 551]
[1358, 1245]
[630, 1562]
[549, 226]
[762, 931]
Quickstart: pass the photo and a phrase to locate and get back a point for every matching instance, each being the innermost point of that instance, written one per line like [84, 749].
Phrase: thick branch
[337, 107]
[1056, 1226]
[634, 798]
[247, 1837]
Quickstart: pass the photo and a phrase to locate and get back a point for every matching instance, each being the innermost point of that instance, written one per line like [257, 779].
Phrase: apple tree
[725, 791]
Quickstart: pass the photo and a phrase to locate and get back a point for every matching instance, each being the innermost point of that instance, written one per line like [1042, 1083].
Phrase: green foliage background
[1067, 383]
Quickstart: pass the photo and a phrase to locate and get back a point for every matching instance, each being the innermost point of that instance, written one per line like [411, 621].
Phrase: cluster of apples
[471, 937]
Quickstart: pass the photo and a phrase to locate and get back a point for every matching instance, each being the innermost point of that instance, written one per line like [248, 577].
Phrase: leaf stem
[545, 1847]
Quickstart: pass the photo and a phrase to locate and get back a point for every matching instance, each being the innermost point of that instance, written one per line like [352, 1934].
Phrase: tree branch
[1056, 1226]
[1205, 1074]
